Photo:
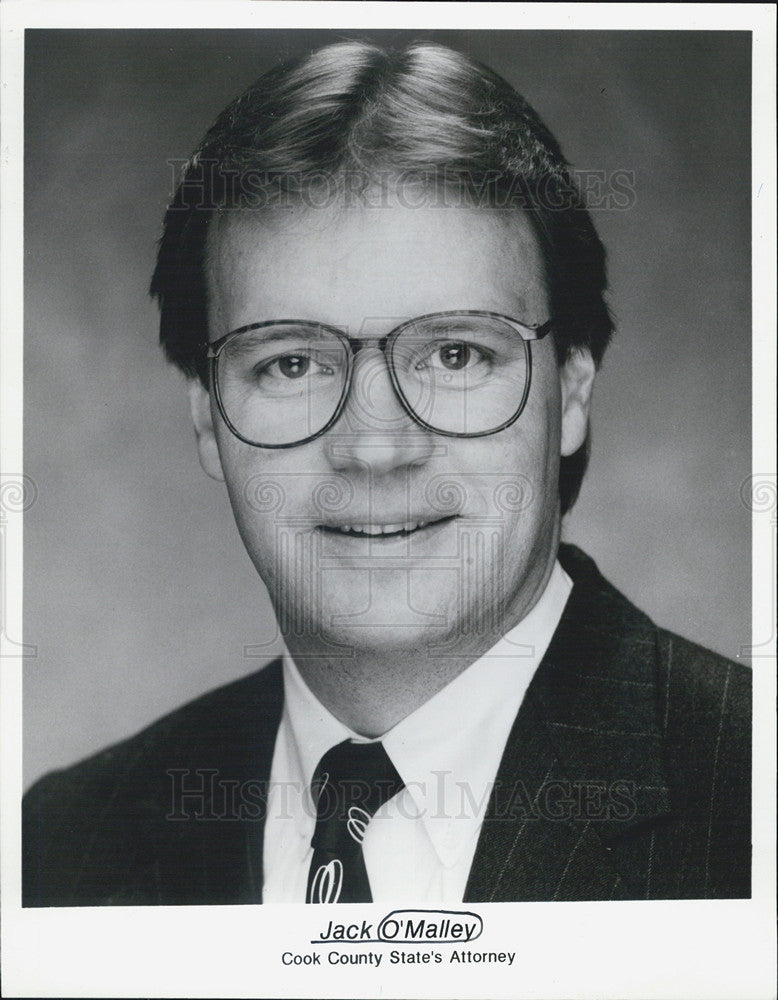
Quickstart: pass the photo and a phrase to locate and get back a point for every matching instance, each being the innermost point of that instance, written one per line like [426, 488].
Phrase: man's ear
[577, 380]
[200, 404]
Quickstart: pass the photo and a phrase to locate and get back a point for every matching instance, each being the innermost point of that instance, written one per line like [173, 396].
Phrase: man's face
[479, 516]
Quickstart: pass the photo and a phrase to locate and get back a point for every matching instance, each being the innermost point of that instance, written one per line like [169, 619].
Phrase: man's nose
[374, 430]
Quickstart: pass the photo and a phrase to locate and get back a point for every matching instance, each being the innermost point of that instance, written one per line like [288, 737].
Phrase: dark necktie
[351, 783]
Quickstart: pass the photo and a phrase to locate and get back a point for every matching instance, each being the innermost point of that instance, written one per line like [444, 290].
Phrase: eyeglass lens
[458, 374]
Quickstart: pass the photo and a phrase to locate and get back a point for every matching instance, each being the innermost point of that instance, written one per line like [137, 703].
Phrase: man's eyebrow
[442, 325]
[280, 330]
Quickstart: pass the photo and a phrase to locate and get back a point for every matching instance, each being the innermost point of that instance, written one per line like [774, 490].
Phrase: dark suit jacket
[626, 776]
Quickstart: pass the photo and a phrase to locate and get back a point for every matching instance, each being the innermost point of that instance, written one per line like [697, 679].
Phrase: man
[388, 296]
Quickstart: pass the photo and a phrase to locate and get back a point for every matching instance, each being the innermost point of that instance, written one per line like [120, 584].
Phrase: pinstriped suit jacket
[626, 776]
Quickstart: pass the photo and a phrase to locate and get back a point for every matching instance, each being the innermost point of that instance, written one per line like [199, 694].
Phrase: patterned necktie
[351, 783]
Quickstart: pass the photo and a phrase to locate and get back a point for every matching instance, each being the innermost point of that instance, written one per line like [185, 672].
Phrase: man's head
[358, 189]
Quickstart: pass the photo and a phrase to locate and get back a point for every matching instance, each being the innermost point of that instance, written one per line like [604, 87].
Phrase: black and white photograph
[389, 493]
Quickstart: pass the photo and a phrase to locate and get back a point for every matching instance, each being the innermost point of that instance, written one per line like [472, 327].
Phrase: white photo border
[695, 948]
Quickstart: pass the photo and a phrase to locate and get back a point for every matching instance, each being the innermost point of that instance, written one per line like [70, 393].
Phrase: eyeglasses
[284, 382]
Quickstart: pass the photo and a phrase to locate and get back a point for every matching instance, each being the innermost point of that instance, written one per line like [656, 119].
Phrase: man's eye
[453, 356]
[293, 366]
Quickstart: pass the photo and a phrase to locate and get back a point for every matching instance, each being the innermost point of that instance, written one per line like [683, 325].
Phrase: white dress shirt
[420, 845]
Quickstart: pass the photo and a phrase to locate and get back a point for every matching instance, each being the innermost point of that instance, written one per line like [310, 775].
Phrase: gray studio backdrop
[138, 593]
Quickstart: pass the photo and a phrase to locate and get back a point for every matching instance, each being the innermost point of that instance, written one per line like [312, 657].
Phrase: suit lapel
[226, 857]
[583, 762]
[256, 766]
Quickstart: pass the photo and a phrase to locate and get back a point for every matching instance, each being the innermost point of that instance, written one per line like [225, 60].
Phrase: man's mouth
[390, 530]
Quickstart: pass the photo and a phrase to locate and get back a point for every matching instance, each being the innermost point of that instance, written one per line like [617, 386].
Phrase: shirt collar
[448, 750]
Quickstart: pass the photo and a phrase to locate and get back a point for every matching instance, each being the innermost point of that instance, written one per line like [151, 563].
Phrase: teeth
[382, 529]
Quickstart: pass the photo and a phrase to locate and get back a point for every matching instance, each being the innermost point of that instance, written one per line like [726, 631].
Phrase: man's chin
[376, 641]
[375, 621]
